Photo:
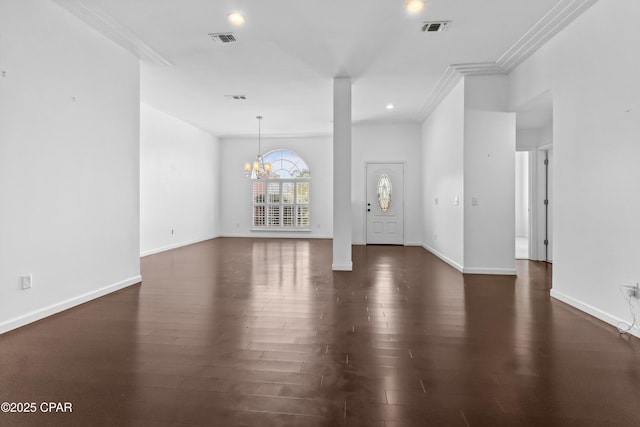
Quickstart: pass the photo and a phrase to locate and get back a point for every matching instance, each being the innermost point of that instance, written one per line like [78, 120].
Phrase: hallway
[261, 332]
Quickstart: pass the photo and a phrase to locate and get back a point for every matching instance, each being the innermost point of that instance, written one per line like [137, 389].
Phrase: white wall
[179, 182]
[469, 154]
[370, 142]
[235, 191]
[442, 171]
[489, 171]
[545, 135]
[534, 138]
[593, 74]
[527, 139]
[397, 142]
[486, 93]
[69, 156]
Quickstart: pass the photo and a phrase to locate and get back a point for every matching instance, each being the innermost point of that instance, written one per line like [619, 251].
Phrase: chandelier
[259, 169]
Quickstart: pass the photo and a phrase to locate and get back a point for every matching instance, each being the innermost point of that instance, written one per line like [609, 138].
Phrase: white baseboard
[65, 305]
[467, 270]
[413, 244]
[342, 267]
[444, 258]
[277, 235]
[498, 271]
[174, 246]
[595, 312]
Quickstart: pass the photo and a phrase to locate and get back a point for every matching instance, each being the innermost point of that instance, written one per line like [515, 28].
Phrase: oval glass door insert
[384, 192]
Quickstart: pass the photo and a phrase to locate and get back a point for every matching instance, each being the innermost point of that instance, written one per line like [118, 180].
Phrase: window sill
[272, 229]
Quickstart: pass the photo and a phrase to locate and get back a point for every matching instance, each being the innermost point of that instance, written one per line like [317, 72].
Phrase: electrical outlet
[26, 281]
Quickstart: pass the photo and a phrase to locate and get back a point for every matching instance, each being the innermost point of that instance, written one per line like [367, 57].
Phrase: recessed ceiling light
[235, 18]
[414, 6]
[390, 106]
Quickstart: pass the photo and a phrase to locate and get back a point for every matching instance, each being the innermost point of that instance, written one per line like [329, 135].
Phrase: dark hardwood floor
[261, 332]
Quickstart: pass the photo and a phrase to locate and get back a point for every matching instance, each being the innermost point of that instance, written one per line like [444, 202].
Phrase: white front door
[384, 210]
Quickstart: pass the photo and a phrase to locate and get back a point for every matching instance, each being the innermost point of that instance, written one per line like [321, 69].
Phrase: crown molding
[447, 81]
[451, 76]
[231, 137]
[478, 69]
[563, 13]
[102, 22]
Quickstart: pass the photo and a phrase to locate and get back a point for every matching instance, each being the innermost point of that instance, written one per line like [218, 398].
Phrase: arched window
[286, 164]
[281, 201]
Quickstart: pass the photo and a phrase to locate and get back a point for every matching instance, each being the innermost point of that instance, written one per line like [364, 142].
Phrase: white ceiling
[288, 52]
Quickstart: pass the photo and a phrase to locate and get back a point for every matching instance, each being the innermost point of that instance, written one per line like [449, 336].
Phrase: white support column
[342, 174]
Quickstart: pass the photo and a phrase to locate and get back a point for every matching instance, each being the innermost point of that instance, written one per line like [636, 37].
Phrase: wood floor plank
[261, 332]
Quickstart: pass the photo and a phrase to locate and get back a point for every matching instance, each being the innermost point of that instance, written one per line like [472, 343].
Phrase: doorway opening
[547, 162]
[522, 205]
[534, 179]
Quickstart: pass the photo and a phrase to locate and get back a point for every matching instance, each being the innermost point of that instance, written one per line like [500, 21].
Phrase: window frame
[264, 204]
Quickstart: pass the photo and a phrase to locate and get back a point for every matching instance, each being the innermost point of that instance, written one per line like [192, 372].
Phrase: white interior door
[385, 203]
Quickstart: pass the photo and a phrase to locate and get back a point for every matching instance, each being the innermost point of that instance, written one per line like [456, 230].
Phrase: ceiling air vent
[237, 97]
[222, 37]
[434, 26]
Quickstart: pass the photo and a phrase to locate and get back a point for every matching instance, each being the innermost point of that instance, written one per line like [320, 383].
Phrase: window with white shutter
[281, 202]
